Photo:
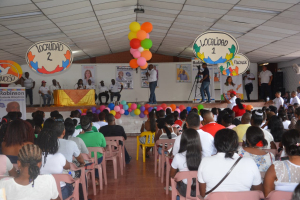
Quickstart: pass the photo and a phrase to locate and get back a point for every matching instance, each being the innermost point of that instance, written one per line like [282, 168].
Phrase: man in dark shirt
[205, 84]
[113, 130]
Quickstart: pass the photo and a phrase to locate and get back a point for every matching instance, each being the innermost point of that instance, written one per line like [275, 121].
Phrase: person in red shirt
[210, 125]
[182, 117]
[239, 109]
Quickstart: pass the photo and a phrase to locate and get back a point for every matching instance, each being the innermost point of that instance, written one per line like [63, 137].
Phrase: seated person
[295, 118]
[284, 175]
[255, 140]
[215, 112]
[275, 126]
[190, 149]
[91, 117]
[52, 161]
[6, 167]
[103, 92]
[102, 121]
[285, 122]
[45, 93]
[55, 86]
[114, 90]
[239, 108]
[210, 126]
[244, 177]
[242, 128]
[69, 131]
[29, 184]
[227, 121]
[113, 130]
[91, 86]
[182, 119]
[79, 85]
[17, 134]
[160, 119]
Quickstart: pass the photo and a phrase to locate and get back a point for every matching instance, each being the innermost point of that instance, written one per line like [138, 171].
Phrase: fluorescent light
[21, 15]
[216, 29]
[256, 10]
[265, 64]
[43, 35]
[75, 51]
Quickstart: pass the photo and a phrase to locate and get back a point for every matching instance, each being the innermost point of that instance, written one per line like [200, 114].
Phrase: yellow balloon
[113, 112]
[134, 26]
[129, 105]
[137, 111]
[131, 35]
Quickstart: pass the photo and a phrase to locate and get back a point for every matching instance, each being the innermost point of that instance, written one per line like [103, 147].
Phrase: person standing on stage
[55, 86]
[103, 91]
[114, 90]
[249, 78]
[264, 81]
[29, 84]
[152, 78]
[205, 83]
[45, 93]
[79, 85]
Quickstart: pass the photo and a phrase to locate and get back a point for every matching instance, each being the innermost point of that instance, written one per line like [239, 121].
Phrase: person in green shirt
[90, 116]
[91, 138]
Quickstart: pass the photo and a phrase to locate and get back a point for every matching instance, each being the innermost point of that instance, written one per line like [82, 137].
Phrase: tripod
[195, 84]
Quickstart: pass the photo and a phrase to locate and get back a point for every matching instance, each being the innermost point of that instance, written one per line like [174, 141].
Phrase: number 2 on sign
[213, 49]
[49, 54]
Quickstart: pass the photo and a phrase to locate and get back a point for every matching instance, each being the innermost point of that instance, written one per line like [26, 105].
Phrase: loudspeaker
[278, 80]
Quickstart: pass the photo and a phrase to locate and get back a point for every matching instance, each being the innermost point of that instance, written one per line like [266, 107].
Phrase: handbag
[223, 179]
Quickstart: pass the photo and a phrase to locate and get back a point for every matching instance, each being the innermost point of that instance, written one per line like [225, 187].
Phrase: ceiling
[266, 30]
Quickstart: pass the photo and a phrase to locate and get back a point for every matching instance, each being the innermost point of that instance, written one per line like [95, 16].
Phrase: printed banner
[88, 72]
[124, 76]
[232, 83]
[10, 72]
[183, 73]
[144, 78]
[12, 100]
[196, 65]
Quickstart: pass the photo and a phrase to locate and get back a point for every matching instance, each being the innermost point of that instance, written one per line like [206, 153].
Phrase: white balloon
[141, 49]
[119, 121]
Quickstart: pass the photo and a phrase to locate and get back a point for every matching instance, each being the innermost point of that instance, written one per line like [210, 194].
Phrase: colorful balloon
[147, 27]
[117, 108]
[133, 50]
[137, 112]
[146, 112]
[148, 36]
[147, 105]
[173, 106]
[134, 27]
[121, 106]
[200, 106]
[133, 63]
[142, 108]
[97, 112]
[125, 107]
[146, 43]
[159, 108]
[126, 112]
[123, 102]
[118, 116]
[133, 106]
[132, 114]
[141, 49]
[81, 111]
[150, 109]
[122, 111]
[164, 106]
[132, 35]
[178, 110]
[181, 107]
[141, 61]
[107, 108]
[129, 109]
[142, 115]
[111, 106]
[188, 108]
[146, 54]
[102, 107]
[113, 112]
[145, 66]
[138, 106]
[129, 105]
[136, 54]
[136, 43]
[93, 109]
[141, 35]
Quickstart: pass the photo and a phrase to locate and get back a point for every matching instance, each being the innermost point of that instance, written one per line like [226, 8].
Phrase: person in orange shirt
[210, 125]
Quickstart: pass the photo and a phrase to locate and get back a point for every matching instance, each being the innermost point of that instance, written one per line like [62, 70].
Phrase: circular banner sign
[215, 47]
[10, 71]
[49, 57]
[238, 65]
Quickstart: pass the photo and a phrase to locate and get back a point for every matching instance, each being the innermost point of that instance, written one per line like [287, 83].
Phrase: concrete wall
[291, 80]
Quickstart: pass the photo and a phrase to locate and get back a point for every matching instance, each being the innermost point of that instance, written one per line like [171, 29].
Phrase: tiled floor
[139, 182]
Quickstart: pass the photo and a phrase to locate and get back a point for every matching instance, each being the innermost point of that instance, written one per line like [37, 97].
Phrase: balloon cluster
[140, 44]
[133, 109]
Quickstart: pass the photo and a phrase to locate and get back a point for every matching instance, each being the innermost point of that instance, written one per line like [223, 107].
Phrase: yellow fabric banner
[74, 97]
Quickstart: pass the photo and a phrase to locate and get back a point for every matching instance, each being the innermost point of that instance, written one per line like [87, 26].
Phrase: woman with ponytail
[187, 159]
[29, 185]
[239, 109]
[243, 177]
[256, 141]
[285, 175]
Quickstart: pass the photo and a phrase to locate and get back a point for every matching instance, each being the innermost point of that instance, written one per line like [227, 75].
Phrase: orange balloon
[147, 26]
[141, 35]
[146, 112]
[173, 106]
[84, 110]
[133, 63]
[145, 66]
[147, 55]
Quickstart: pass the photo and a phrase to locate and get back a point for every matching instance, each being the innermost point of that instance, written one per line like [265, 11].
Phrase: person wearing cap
[55, 86]
[103, 91]
[45, 93]
[29, 84]
[231, 101]
[249, 78]
[264, 81]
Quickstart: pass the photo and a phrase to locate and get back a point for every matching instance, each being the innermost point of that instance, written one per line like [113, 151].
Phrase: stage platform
[206, 105]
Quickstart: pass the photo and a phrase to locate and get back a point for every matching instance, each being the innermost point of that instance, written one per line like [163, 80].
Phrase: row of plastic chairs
[249, 195]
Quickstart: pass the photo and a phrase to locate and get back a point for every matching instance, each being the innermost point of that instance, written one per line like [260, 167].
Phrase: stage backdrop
[237, 87]
[12, 100]
[144, 78]
[88, 72]
[124, 76]
[196, 90]
[183, 73]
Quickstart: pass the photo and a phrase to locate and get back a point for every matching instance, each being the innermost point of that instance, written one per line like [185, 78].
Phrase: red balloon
[118, 116]
[147, 106]
[181, 108]
[164, 106]
[135, 43]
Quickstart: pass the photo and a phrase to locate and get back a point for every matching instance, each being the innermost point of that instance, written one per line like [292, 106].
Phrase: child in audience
[295, 118]
[255, 140]
[285, 175]
[182, 119]
[215, 112]
[239, 108]
[187, 159]
[245, 175]
[283, 115]
[29, 184]
[6, 167]
[227, 121]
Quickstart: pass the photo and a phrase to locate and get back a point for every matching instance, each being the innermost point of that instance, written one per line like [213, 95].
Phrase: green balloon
[138, 106]
[200, 106]
[146, 43]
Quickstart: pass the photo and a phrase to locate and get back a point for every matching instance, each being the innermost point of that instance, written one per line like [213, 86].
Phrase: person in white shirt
[79, 85]
[45, 93]
[245, 176]
[278, 101]
[264, 81]
[152, 78]
[29, 184]
[249, 78]
[91, 87]
[55, 86]
[29, 84]
[231, 101]
[103, 91]
[206, 139]
[114, 90]
[102, 121]
[294, 98]
[298, 91]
